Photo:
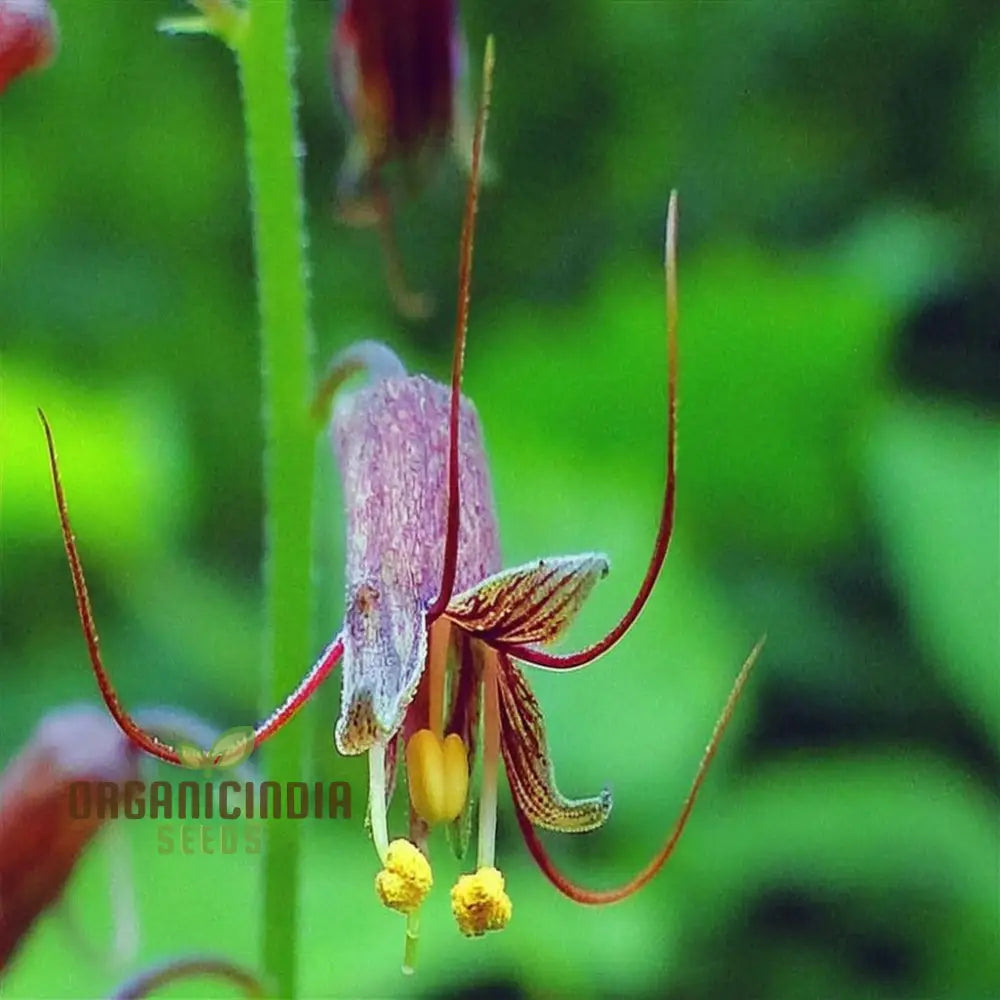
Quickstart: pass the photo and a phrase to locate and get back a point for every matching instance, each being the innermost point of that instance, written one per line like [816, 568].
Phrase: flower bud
[395, 67]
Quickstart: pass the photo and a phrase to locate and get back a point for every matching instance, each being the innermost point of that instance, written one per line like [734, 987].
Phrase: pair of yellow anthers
[478, 901]
[437, 769]
[438, 774]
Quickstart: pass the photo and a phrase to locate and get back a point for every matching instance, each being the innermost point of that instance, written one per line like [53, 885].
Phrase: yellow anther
[438, 773]
[480, 903]
[406, 879]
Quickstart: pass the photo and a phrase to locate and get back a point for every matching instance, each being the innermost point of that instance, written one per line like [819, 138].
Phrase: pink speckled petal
[385, 650]
[391, 439]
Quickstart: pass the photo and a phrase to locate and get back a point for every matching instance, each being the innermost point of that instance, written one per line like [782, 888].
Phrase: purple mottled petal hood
[391, 442]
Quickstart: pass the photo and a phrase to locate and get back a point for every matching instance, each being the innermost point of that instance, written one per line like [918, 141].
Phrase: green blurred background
[839, 172]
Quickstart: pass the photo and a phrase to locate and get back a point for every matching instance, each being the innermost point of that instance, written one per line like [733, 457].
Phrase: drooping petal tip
[529, 766]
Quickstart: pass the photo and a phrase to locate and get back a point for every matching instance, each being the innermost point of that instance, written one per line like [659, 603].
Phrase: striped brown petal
[534, 603]
[529, 769]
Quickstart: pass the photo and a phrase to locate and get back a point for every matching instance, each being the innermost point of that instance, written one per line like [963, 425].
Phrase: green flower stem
[264, 52]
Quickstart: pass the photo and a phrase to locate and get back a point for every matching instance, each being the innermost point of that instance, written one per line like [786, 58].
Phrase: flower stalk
[264, 54]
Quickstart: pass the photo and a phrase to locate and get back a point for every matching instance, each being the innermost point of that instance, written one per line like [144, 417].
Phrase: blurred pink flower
[28, 37]
[40, 839]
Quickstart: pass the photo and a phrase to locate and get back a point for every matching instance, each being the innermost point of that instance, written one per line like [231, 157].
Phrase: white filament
[491, 753]
[376, 798]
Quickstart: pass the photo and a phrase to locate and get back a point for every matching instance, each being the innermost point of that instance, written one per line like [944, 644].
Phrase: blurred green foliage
[839, 171]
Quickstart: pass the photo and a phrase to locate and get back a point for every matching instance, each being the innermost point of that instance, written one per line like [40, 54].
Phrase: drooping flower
[395, 68]
[28, 37]
[397, 73]
[435, 630]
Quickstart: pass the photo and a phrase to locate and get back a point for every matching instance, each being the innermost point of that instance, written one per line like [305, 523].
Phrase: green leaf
[934, 476]
[781, 363]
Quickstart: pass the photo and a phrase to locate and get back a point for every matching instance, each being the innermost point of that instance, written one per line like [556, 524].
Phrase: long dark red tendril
[567, 661]
[600, 897]
[458, 356]
[141, 737]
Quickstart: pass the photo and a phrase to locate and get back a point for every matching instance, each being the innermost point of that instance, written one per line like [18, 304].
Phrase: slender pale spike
[491, 755]
[121, 881]
[376, 798]
[410, 942]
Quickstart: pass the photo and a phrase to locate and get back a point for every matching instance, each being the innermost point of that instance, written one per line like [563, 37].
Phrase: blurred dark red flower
[40, 839]
[395, 65]
[397, 68]
[28, 37]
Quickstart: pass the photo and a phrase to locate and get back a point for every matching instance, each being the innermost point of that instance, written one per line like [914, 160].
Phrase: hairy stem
[265, 57]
